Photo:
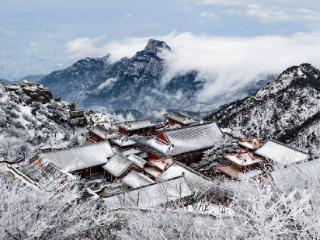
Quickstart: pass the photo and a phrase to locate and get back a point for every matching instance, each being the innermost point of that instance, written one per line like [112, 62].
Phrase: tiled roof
[188, 139]
[140, 162]
[152, 195]
[123, 141]
[243, 159]
[130, 151]
[77, 158]
[135, 179]
[117, 165]
[297, 176]
[237, 174]
[251, 143]
[31, 171]
[196, 181]
[135, 125]
[152, 171]
[102, 132]
[181, 118]
[280, 153]
[161, 163]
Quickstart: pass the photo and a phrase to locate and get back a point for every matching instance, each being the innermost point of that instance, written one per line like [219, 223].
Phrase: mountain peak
[302, 75]
[299, 71]
[153, 46]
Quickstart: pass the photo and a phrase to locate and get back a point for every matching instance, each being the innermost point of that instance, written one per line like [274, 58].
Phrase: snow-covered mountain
[132, 83]
[287, 109]
[31, 120]
[4, 81]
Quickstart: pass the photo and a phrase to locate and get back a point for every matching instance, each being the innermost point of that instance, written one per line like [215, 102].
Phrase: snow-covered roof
[130, 151]
[188, 139]
[77, 158]
[243, 159]
[181, 118]
[31, 171]
[297, 176]
[251, 143]
[117, 165]
[135, 125]
[161, 163]
[135, 179]
[237, 174]
[196, 181]
[280, 153]
[123, 141]
[104, 133]
[140, 162]
[152, 171]
[152, 195]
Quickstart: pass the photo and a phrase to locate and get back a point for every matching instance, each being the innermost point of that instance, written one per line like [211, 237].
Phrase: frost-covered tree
[27, 213]
[130, 117]
[120, 117]
[29, 118]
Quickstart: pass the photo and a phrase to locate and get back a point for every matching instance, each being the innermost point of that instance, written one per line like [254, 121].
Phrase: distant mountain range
[30, 78]
[5, 81]
[135, 84]
[33, 78]
[287, 109]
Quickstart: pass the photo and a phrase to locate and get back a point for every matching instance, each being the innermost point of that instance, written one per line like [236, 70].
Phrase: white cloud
[271, 10]
[83, 47]
[209, 15]
[227, 62]
[86, 47]
[222, 2]
[276, 13]
[107, 83]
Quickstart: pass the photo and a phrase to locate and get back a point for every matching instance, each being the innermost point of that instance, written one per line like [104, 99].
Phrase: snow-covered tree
[130, 117]
[27, 213]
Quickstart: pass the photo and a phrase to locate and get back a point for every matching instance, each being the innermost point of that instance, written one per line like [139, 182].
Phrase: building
[297, 176]
[238, 174]
[255, 158]
[196, 181]
[123, 143]
[174, 118]
[279, 153]
[135, 179]
[39, 175]
[81, 160]
[175, 190]
[251, 143]
[243, 160]
[100, 133]
[186, 144]
[143, 127]
[117, 167]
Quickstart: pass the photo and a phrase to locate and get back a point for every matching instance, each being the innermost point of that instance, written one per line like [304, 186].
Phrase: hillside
[287, 109]
[30, 120]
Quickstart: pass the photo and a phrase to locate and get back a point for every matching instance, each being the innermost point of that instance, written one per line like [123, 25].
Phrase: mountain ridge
[132, 83]
[286, 109]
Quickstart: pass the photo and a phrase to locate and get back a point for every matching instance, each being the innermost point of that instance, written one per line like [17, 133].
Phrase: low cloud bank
[227, 63]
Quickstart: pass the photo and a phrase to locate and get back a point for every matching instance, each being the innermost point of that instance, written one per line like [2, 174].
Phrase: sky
[220, 38]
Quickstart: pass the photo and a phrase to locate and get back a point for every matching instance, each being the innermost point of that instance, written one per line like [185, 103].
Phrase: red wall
[123, 132]
[152, 156]
[163, 138]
